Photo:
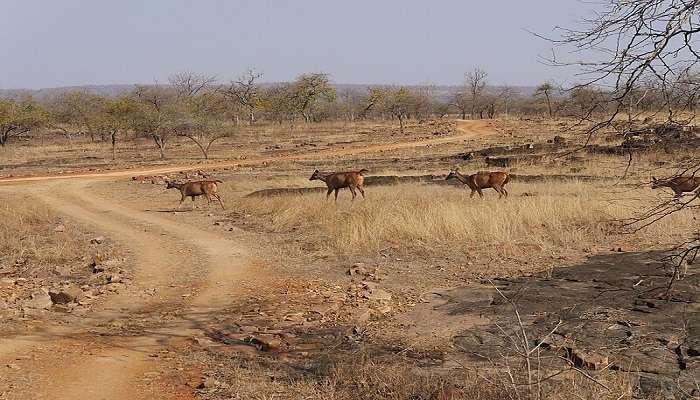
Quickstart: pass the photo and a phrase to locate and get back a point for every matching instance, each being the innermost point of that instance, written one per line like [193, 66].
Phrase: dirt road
[183, 276]
[467, 130]
[178, 270]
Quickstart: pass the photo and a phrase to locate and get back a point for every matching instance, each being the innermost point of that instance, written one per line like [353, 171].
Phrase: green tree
[546, 89]
[18, 118]
[308, 90]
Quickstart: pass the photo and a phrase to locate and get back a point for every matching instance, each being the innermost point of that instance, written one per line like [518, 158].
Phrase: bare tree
[246, 92]
[506, 95]
[476, 84]
[630, 42]
[190, 84]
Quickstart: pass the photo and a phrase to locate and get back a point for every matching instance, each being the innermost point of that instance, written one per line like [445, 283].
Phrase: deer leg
[336, 195]
[352, 191]
[505, 192]
[362, 191]
[481, 194]
[498, 189]
[471, 195]
[328, 194]
[194, 206]
[182, 200]
[220, 201]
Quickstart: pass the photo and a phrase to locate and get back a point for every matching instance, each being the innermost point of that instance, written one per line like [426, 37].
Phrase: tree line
[203, 110]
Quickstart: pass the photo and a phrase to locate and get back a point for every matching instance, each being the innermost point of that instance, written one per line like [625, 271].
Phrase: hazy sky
[47, 43]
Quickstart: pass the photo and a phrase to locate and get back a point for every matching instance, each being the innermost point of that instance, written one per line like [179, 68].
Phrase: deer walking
[338, 180]
[679, 184]
[197, 188]
[482, 180]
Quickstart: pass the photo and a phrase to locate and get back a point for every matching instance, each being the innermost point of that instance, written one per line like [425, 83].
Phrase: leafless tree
[476, 84]
[506, 95]
[190, 84]
[246, 92]
[629, 43]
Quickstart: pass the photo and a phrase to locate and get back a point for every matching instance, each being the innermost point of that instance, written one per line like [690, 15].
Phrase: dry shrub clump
[542, 216]
[31, 235]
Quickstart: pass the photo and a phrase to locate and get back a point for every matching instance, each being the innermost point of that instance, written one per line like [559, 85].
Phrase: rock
[358, 269]
[97, 240]
[13, 366]
[63, 270]
[6, 283]
[266, 342]
[376, 294]
[59, 228]
[559, 140]
[40, 300]
[67, 295]
[587, 360]
[209, 383]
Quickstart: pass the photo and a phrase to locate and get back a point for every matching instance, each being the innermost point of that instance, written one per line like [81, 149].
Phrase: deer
[197, 188]
[338, 180]
[482, 180]
[679, 184]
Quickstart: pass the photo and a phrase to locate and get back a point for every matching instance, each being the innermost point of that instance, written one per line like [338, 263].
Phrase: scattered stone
[377, 295]
[266, 342]
[40, 300]
[59, 228]
[67, 295]
[209, 383]
[587, 360]
[97, 240]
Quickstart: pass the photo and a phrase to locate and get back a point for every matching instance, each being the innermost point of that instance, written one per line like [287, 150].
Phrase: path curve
[467, 130]
[194, 274]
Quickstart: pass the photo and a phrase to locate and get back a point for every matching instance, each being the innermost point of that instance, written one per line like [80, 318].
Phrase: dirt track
[180, 271]
[469, 130]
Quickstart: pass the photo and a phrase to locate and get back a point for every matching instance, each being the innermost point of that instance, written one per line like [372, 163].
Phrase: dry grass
[394, 378]
[28, 236]
[553, 216]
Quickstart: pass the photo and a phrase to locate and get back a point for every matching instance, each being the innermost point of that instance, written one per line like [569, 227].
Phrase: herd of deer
[354, 180]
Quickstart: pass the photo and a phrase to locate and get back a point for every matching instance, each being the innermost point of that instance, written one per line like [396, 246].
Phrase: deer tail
[507, 178]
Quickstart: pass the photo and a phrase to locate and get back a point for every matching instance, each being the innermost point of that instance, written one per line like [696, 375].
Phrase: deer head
[453, 173]
[316, 175]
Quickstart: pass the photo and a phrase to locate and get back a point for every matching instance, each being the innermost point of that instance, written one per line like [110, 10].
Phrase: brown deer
[197, 188]
[338, 180]
[679, 184]
[482, 180]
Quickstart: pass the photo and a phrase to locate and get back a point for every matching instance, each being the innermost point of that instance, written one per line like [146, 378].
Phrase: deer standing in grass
[338, 180]
[679, 184]
[197, 188]
[482, 180]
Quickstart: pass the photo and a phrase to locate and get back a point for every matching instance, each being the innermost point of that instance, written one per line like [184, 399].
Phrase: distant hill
[441, 92]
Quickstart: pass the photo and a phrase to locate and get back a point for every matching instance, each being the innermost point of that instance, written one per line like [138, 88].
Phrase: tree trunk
[252, 115]
[401, 123]
[549, 104]
[114, 145]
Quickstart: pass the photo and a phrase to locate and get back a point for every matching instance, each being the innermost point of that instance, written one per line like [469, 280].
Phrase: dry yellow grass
[561, 216]
[28, 236]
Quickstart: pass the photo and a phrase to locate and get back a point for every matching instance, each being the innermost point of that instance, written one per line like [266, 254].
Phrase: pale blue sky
[47, 43]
